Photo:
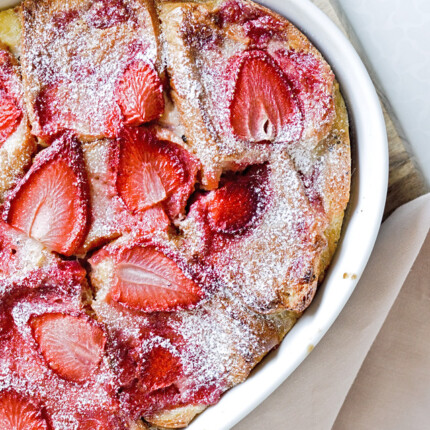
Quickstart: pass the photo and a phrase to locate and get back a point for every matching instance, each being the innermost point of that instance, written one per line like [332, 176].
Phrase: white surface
[395, 38]
[391, 391]
[365, 212]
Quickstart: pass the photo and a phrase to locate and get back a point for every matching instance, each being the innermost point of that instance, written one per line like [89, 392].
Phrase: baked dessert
[173, 187]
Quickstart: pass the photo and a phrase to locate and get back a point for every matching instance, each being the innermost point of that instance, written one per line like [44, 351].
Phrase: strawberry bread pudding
[173, 180]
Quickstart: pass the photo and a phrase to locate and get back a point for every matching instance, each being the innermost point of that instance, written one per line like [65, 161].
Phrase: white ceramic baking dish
[369, 186]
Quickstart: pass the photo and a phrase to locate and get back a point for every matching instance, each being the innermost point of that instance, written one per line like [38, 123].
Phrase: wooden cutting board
[406, 181]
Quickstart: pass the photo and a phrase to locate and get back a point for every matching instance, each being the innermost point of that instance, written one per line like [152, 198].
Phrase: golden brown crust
[175, 418]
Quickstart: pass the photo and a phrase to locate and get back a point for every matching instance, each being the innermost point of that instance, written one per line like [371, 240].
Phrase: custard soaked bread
[168, 210]
[88, 54]
[242, 75]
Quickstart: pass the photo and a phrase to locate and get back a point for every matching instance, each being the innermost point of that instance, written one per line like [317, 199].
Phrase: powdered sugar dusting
[205, 47]
[69, 59]
[255, 279]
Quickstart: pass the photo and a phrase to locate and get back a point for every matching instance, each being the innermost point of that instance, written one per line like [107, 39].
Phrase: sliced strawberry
[232, 208]
[10, 110]
[10, 115]
[140, 94]
[152, 171]
[236, 206]
[263, 107]
[50, 203]
[17, 413]
[263, 29]
[52, 116]
[160, 369]
[237, 12]
[148, 280]
[72, 346]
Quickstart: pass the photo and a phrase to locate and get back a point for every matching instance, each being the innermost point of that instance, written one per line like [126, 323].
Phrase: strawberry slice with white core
[10, 116]
[72, 346]
[50, 204]
[17, 413]
[263, 107]
[152, 171]
[140, 94]
[146, 279]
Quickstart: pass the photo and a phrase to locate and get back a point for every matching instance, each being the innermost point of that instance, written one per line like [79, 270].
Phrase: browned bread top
[74, 55]
[212, 47]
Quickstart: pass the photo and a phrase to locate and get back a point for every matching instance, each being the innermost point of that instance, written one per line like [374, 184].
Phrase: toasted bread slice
[132, 186]
[277, 263]
[218, 343]
[110, 218]
[213, 47]
[326, 174]
[76, 56]
[17, 145]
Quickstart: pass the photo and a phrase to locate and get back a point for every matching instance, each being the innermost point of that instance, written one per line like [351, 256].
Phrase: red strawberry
[50, 203]
[146, 279]
[10, 111]
[160, 369]
[237, 12]
[140, 94]
[237, 204]
[152, 171]
[72, 346]
[17, 413]
[10, 115]
[263, 107]
[154, 382]
[51, 117]
[232, 208]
